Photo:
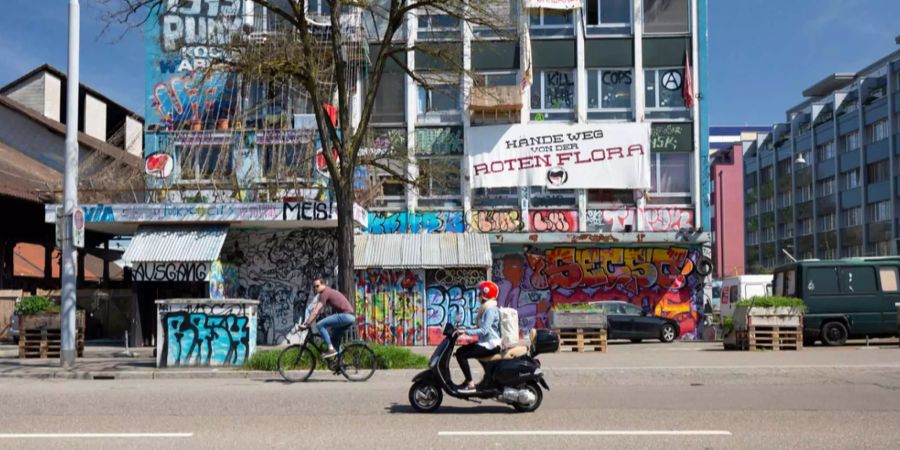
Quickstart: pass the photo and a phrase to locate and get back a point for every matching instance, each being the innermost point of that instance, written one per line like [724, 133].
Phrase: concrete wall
[94, 117]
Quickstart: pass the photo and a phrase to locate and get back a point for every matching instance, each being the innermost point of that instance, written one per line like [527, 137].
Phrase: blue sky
[763, 53]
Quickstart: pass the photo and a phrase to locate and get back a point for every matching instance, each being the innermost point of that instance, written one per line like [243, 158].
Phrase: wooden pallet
[579, 339]
[46, 343]
[775, 338]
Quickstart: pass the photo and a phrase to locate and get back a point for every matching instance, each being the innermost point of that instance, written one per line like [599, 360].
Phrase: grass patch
[388, 357]
[772, 302]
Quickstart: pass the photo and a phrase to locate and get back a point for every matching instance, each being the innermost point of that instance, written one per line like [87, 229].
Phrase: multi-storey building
[626, 75]
[823, 183]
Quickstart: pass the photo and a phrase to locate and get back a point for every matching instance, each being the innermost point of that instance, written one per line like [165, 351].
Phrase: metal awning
[197, 243]
[421, 251]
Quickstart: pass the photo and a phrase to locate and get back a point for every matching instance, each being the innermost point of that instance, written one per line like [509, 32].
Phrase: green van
[846, 298]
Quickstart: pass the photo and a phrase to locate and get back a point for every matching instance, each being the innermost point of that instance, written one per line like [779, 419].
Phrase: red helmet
[489, 290]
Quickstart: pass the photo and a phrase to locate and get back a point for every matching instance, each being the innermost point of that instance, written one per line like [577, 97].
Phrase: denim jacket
[488, 331]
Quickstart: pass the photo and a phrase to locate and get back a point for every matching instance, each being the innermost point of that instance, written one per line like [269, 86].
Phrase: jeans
[336, 324]
[472, 350]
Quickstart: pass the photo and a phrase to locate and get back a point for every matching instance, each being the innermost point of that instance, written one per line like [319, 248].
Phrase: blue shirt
[489, 331]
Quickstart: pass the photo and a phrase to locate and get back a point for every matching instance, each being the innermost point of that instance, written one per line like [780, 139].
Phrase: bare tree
[310, 51]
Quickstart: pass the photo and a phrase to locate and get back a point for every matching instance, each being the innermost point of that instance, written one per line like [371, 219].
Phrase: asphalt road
[852, 402]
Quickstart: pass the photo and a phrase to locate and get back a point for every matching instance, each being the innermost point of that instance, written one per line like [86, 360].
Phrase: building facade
[597, 84]
[823, 183]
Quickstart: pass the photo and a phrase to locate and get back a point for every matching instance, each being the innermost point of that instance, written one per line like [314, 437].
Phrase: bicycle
[355, 360]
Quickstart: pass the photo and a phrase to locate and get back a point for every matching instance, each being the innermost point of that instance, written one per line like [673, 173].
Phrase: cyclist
[487, 330]
[335, 324]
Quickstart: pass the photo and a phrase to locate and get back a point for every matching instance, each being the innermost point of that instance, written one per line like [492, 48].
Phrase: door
[862, 301]
[889, 282]
[646, 327]
[620, 324]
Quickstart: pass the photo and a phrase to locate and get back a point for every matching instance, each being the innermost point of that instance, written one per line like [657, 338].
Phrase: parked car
[626, 321]
[845, 298]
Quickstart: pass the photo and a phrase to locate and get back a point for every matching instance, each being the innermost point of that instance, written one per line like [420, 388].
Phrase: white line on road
[589, 433]
[92, 435]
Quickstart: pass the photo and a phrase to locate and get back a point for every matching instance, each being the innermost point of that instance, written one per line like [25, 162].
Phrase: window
[897, 123]
[826, 187]
[550, 18]
[553, 90]
[889, 279]
[492, 79]
[768, 204]
[828, 222]
[207, 162]
[852, 216]
[850, 179]
[830, 253]
[666, 16]
[805, 226]
[850, 141]
[318, 7]
[609, 89]
[437, 22]
[825, 151]
[804, 128]
[631, 310]
[388, 107]
[857, 280]
[877, 172]
[671, 178]
[439, 153]
[663, 88]
[804, 193]
[779, 283]
[853, 251]
[767, 174]
[882, 248]
[822, 281]
[790, 283]
[440, 96]
[880, 211]
[768, 234]
[787, 230]
[877, 131]
[608, 12]
[618, 197]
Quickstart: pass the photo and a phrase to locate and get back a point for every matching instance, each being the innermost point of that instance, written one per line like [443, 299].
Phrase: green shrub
[772, 302]
[263, 360]
[388, 357]
[728, 324]
[35, 305]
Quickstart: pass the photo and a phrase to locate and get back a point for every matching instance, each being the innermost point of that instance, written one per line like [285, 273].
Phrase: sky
[763, 53]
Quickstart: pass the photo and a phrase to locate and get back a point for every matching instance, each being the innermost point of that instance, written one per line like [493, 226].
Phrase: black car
[626, 321]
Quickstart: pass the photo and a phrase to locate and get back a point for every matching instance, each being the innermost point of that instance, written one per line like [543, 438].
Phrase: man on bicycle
[335, 324]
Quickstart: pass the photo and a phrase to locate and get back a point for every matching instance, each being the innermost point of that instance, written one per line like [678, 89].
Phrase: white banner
[553, 4]
[561, 156]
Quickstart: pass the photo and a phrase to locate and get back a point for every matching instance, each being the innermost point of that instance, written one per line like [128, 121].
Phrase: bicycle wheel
[357, 362]
[296, 363]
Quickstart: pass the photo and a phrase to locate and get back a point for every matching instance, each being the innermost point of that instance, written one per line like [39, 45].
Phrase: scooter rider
[487, 329]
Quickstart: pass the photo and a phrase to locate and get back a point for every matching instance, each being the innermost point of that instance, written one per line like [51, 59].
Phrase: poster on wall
[560, 155]
[181, 41]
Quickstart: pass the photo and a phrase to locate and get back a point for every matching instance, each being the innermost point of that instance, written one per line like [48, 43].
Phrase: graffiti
[439, 141]
[308, 211]
[390, 307]
[278, 268]
[491, 221]
[554, 221]
[223, 281]
[187, 38]
[652, 219]
[671, 137]
[202, 212]
[662, 281]
[451, 297]
[207, 335]
[559, 92]
[426, 222]
[171, 271]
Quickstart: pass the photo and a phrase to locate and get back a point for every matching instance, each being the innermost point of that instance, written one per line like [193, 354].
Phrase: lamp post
[70, 197]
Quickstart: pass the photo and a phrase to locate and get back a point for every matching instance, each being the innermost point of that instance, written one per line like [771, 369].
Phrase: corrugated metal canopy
[421, 251]
[176, 243]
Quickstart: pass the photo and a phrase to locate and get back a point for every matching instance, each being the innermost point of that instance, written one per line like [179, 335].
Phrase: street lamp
[800, 161]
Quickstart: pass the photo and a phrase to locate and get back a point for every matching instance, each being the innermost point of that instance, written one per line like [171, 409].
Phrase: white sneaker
[329, 354]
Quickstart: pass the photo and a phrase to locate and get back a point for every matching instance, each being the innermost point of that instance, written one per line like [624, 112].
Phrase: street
[676, 396]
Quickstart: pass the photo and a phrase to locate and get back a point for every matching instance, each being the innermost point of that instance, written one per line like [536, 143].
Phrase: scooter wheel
[425, 396]
[538, 398]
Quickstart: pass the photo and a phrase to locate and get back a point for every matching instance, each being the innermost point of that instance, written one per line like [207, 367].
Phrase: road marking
[92, 435]
[589, 433]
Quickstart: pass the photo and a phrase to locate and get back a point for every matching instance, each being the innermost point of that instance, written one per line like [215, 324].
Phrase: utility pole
[70, 196]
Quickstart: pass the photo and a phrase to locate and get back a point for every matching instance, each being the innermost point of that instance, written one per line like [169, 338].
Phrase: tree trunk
[346, 276]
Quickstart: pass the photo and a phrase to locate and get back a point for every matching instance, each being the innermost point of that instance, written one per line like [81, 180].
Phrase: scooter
[513, 377]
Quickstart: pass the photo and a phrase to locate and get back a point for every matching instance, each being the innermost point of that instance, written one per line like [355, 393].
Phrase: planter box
[767, 317]
[50, 321]
[577, 319]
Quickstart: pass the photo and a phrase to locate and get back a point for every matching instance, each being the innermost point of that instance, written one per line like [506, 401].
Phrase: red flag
[687, 86]
[332, 113]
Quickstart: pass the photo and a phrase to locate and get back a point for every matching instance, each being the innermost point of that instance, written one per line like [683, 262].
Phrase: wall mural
[224, 281]
[278, 268]
[451, 294]
[553, 221]
[662, 281]
[652, 219]
[390, 307]
[497, 221]
[423, 222]
[207, 335]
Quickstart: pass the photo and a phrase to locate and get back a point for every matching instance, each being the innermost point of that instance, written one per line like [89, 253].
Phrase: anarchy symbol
[671, 80]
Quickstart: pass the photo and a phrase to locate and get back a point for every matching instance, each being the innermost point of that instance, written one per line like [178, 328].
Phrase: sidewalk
[103, 362]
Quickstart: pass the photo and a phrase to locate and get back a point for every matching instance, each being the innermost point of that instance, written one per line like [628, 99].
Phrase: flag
[687, 86]
[332, 113]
